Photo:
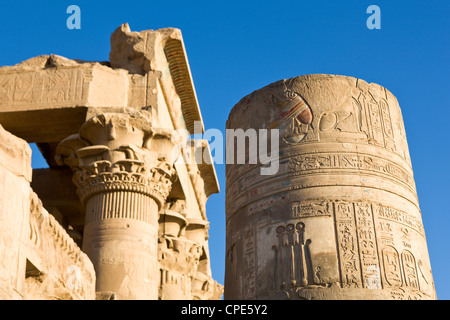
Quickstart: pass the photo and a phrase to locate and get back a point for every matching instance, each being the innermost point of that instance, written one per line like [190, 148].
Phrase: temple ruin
[118, 214]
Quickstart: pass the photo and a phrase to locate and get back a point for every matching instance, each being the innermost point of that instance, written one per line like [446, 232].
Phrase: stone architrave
[123, 170]
[340, 219]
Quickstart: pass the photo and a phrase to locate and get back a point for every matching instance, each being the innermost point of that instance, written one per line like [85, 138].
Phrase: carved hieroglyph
[110, 127]
[341, 218]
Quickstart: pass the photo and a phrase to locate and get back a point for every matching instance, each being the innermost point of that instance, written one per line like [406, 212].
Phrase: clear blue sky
[236, 47]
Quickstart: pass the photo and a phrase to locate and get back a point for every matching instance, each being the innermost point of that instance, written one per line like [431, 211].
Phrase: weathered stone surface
[16, 155]
[184, 256]
[46, 98]
[123, 169]
[15, 175]
[48, 82]
[39, 260]
[56, 267]
[159, 72]
[341, 218]
[111, 129]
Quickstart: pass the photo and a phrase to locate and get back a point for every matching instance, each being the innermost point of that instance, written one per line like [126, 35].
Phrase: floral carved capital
[121, 152]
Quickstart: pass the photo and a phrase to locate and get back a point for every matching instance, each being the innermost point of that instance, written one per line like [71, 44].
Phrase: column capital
[121, 152]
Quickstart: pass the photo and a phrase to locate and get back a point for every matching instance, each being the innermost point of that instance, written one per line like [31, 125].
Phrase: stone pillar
[122, 169]
[181, 255]
[340, 219]
[178, 256]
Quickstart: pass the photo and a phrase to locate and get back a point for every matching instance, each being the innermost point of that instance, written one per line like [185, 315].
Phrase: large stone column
[340, 219]
[123, 169]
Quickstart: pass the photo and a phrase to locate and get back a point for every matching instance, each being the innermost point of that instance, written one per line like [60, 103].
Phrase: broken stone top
[321, 92]
[129, 124]
[156, 51]
[136, 51]
[49, 61]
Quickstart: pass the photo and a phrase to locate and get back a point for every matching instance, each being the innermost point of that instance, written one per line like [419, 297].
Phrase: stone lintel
[46, 98]
[60, 83]
[43, 126]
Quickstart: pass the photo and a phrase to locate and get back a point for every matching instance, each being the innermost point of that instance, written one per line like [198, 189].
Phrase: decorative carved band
[305, 163]
[157, 185]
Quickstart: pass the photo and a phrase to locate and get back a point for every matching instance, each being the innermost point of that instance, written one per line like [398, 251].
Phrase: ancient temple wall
[39, 260]
[57, 269]
[15, 176]
[340, 219]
